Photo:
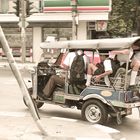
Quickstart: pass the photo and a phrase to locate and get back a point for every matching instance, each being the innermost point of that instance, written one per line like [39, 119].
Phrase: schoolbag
[115, 66]
[77, 70]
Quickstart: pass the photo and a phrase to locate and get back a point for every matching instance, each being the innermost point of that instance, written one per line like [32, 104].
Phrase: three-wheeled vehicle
[96, 102]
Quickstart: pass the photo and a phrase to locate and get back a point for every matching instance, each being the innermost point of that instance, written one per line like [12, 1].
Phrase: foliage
[122, 19]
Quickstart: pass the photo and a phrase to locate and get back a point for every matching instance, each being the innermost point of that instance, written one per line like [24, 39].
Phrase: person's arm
[108, 70]
[98, 77]
[65, 67]
[115, 52]
[86, 61]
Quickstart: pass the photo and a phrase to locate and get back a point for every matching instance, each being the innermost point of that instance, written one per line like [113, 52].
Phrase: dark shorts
[129, 65]
[100, 69]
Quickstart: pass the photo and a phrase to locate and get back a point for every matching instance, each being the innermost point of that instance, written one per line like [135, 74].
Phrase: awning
[55, 17]
[67, 17]
[93, 16]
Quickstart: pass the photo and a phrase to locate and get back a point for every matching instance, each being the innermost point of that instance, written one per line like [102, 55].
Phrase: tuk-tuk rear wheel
[94, 111]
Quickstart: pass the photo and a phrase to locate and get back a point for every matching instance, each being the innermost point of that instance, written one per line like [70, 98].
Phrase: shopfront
[64, 19]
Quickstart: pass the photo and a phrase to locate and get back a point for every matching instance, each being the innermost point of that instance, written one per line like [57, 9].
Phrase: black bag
[115, 66]
[77, 70]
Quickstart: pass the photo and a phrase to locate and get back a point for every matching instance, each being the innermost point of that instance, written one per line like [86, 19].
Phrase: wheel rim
[93, 113]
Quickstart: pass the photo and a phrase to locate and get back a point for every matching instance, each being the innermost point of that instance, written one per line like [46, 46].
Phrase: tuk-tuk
[96, 102]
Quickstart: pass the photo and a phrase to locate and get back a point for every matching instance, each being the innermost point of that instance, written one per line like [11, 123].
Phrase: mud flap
[119, 118]
[118, 114]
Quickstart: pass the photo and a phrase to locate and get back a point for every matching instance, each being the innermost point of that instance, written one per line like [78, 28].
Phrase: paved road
[130, 127]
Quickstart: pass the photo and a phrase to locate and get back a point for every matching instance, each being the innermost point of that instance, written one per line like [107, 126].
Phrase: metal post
[74, 30]
[20, 81]
[40, 6]
[23, 31]
[74, 14]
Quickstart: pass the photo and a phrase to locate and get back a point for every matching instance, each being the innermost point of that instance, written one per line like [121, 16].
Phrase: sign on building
[101, 25]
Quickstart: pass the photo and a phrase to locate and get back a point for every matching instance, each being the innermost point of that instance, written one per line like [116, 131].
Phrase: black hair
[73, 50]
[137, 43]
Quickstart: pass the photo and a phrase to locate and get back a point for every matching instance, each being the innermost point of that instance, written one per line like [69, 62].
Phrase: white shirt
[130, 53]
[107, 65]
[70, 57]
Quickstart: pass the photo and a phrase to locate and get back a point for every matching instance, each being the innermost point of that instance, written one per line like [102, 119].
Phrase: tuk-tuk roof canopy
[100, 44]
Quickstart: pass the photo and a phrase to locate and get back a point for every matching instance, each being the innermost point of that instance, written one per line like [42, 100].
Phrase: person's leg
[133, 78]
[51, 84]
[91, 69]
[135, 67]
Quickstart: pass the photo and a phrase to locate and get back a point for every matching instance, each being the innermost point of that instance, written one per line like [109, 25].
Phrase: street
[59, 120]
[130, 127]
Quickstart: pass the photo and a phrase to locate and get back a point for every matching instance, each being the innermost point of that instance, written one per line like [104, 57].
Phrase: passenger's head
[103, 56]
[80, 52]
[136, 45]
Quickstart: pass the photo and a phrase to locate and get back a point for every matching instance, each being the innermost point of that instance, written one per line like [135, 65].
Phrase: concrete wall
[37, 39]
[82, 30]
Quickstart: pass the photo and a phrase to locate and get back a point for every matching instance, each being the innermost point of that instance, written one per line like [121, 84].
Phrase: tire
[94, 111]
[38, 104]
[124, 116]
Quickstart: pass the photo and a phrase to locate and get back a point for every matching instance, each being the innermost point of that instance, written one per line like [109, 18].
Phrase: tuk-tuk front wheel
[94, 111]
[38, 104]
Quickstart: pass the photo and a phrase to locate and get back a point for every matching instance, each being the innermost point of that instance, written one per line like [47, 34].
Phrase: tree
[122, 20]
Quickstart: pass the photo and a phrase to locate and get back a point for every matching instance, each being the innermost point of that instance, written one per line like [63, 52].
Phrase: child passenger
[100, 70]
[134, 56]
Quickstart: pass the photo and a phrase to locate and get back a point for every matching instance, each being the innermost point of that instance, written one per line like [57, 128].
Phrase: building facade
[64, 19]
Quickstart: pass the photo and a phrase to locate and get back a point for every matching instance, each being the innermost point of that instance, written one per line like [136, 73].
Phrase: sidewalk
[5, 65]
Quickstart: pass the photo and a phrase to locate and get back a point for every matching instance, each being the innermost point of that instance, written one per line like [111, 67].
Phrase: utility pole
[20, 11]
[23, 31]
[26, 7]
[74, 19]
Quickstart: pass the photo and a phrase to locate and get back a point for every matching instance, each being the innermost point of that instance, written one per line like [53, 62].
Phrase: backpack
[115, 66]
[77, 70]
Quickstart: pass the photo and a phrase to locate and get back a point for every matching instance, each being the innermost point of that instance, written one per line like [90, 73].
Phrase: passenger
[57, 80]
[100, 70]
[134, 55]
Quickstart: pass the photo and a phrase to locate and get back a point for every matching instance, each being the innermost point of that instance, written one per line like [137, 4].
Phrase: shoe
[132, 88]
[42, 97]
